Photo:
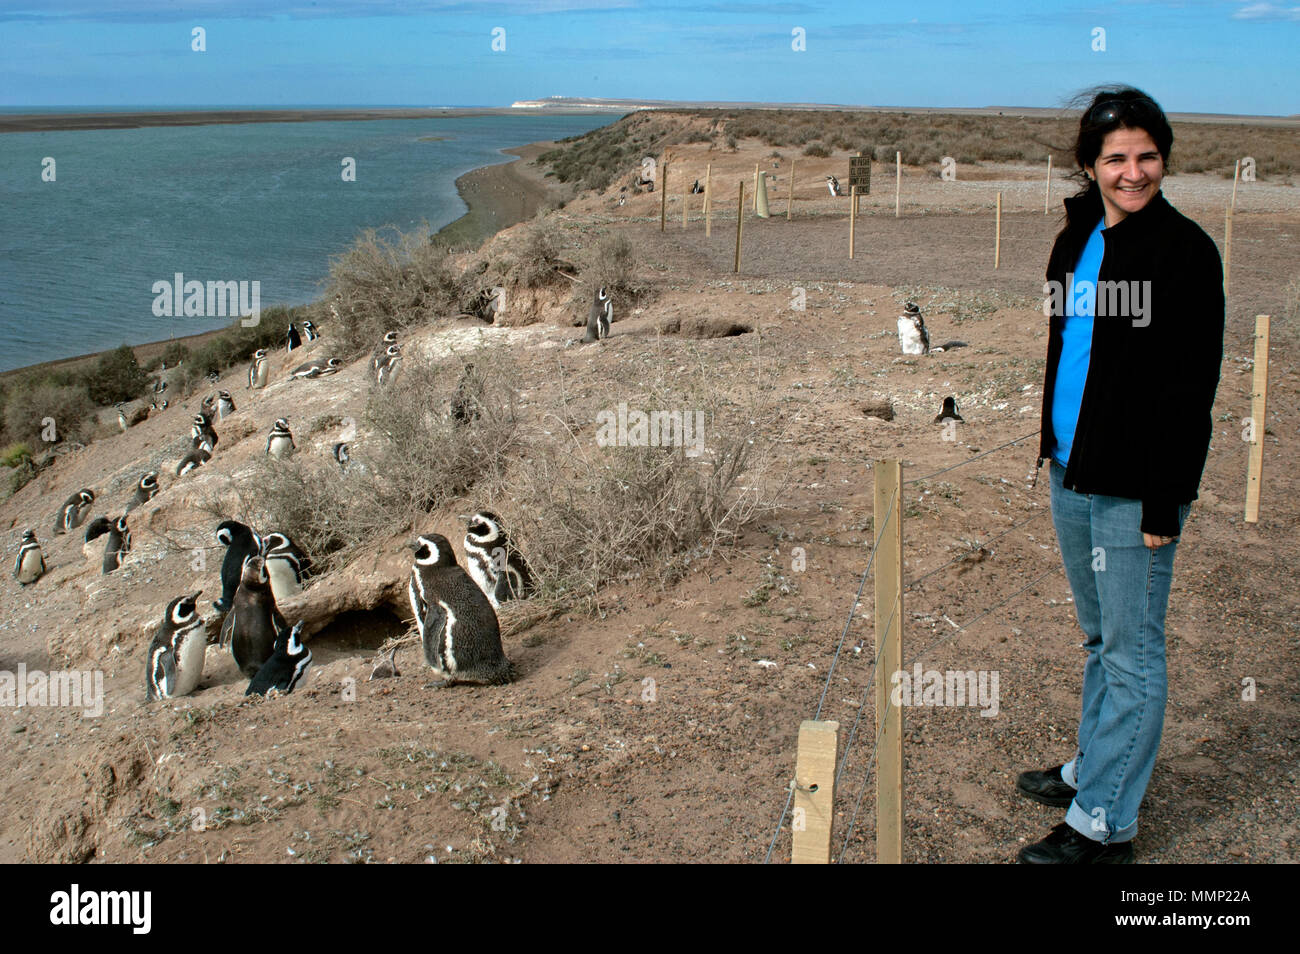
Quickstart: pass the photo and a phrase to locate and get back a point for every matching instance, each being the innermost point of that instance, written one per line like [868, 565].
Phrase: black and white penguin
[280, 442]
[389, 364]
[948, 412]
[599, 317]
[253, 621]
[381, 350]
[213, 377]
[208, 406]
[202, 432]
[74, 510]
[241, 542]
[286, 565]
[287, 666]
[195, 458]
[493, 562]
[174, 663]
[145, 489]
[342, 455]
[117, 545]
[833, 185]
[458, 627]
[29, 565]
[121, 418]
[293, 339]
[912, 336]
[259, 369]
[90, 547]
[317, 368]
[697, 189]
[309, 332]
[225, 405]
[464, 407]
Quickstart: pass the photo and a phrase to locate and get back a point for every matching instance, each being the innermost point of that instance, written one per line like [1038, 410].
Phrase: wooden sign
[860, 173]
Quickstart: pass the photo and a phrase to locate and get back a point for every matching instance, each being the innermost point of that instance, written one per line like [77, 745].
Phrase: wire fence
[869, 682]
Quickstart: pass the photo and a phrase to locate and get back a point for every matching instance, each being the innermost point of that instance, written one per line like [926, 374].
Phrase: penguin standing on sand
[174, 664]
[293, 339]
[287, 666]
[381, 350]
[259, 369]
[493, 562]
[208, 406]
[948, 412]
[29, 565]
[286, 565]
[73, 512]
[912, 336]
[241, 542]
[225, 405]
[389, 364]
[310, 333]
[458, 627]
[833, 185]
[145, 489]
[202, 432]
[342, 455]
[253, 621]
[118, 545]
[599, 317]
[121, 419]
[280, 442]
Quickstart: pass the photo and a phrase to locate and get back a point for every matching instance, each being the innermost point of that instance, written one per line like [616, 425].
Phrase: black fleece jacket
[1145, 419]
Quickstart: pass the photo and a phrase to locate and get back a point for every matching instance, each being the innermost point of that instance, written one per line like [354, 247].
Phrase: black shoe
[1046, 786]
[1065, 846]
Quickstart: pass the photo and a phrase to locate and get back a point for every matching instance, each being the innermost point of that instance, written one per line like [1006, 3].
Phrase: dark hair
[1117, 107]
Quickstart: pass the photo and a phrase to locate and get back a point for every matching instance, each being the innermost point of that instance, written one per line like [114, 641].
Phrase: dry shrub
[537, 255]
[613, 265]
[427, 456]
[385, 283]
[587, 514]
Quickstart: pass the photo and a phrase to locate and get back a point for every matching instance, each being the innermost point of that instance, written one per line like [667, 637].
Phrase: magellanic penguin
[458, 627]
[121, 418]
[599, 317]
[286, 565]
[912, 336]
[96, 529]
[225, 405]
[145, 489]
[196, 457]
[833, 185]
[389, 364]
[280, 442]
[117, 546]
[253, 621]
[73, 512]
[202, 432]
[293, 339]
[208, 406]
[287, 666]
[381, 349]
[309, 332]
[174, 664]
[342, 455]
[317, 368]
[259, 369]
[241, 542]
[948, 412]
[498, 568]
[29, 565]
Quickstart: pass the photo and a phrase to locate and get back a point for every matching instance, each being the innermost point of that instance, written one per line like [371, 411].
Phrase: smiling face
[1128, 170]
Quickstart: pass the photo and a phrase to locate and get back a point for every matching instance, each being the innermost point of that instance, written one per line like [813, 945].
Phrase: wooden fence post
[1258, 407]
[898, 182]
[663, 197]
[789, 202]
[708, 200]
[1047, 201]
[814, 793]
[889, 653]
[997, 237]
[853, 216]
[740, 222]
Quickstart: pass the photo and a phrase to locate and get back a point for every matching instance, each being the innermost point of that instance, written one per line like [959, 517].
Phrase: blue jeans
[1121, 591]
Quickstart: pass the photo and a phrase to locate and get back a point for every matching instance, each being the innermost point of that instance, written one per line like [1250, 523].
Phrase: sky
[1192, 56]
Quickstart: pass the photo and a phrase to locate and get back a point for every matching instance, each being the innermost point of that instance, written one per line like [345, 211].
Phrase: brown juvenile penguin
[253, 621]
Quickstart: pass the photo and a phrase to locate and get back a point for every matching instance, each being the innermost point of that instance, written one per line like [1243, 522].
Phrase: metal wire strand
[970, 460]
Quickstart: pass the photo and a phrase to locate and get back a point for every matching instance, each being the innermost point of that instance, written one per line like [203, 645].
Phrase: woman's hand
[1154, 542]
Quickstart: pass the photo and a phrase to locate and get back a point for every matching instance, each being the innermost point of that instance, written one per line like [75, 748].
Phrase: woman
[1137, 315]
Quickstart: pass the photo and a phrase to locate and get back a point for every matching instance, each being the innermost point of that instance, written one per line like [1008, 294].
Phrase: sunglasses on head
[1111, 110]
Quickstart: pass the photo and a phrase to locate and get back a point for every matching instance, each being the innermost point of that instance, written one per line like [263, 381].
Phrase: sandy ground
[576, 761]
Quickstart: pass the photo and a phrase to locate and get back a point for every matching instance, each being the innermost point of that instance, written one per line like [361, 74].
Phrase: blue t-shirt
[1076, 344]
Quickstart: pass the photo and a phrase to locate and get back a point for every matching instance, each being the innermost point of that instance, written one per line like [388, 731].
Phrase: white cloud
[1267, 11]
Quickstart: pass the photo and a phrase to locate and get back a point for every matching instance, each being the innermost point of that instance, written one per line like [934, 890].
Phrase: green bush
[174, 354]
[116, 377]
[27, 410]
[15, 454]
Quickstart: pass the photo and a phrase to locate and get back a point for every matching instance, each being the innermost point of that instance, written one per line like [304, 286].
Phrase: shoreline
[498, 196]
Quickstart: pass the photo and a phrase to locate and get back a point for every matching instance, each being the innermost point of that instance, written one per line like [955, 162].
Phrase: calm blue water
[259, 201]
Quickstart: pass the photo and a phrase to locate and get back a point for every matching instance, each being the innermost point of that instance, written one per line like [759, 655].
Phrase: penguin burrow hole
[703, 327]
[355, 633]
